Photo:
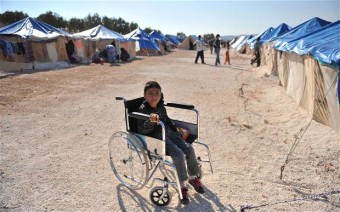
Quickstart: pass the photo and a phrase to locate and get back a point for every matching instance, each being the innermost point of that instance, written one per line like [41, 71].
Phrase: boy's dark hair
[151, 84]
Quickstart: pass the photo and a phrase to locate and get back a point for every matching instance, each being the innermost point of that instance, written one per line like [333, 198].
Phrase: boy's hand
[154, 118]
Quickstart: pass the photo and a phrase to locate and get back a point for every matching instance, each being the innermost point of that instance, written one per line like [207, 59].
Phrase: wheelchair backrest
[133, 106]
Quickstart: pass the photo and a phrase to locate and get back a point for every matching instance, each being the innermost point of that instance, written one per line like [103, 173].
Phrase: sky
[228, 17]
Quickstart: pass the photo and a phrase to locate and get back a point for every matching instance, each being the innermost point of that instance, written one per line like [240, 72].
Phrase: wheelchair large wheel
[128, 160]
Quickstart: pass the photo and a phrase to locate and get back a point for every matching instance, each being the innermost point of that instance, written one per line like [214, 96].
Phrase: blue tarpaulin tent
[165, 45]
[298, 31]
[156, 35]
[145, 43]
[309, 67]
[173, 39]
[323, 44]
[252, 40]
[33, 29]
[278, 31]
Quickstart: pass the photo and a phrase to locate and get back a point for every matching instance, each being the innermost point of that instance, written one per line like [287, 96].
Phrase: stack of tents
[33, 44]
[306, 60]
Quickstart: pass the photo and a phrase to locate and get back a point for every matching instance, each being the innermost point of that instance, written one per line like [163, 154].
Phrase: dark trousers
[201, 55]
[257, 59]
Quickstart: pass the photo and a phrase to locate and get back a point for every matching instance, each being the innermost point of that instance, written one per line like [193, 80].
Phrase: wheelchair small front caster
[160, 196]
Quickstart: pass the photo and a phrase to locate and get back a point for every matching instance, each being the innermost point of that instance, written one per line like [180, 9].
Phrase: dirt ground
[56, 124]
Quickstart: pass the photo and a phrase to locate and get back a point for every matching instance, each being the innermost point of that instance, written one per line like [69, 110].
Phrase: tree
[9, 17]
[121, 26]
[181, 34]
[92, 21]
[76, 25]
[148, 30]
[107, 22]
[209, 36]
[132, 26]
[53, 19]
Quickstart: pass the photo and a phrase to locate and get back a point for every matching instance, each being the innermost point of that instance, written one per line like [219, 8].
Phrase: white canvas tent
[188, 43]
[39, 46]
[97, 38]
[240, 43]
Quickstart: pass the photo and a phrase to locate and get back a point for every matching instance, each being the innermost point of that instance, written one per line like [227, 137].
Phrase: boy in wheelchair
[176, 147]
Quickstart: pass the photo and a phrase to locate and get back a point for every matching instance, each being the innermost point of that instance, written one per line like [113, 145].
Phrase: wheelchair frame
[138, 150]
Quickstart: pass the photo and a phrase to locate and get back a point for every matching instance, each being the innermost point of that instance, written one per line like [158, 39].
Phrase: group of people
[214, 44]
[110, 54]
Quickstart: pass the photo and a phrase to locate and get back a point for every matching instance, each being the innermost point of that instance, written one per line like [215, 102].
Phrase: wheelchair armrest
[120, 98]
[142, 116]
[182, 106]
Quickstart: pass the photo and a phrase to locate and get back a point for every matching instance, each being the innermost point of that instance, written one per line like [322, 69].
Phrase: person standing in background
[227, 56]
[217, 46]
[257, 58]
[211, 45]
[200, 49]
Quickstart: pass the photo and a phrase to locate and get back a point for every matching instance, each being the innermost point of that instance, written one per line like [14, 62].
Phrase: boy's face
[152, 96]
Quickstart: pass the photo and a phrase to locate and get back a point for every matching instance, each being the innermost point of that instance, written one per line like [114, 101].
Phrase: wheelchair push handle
[120, 98]
[180, 105]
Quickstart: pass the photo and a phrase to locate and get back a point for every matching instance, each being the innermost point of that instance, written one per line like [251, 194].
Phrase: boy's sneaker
[196, 183]
[185, 200]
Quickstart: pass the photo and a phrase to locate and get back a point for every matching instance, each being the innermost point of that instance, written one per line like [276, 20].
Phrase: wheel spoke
[128, 160]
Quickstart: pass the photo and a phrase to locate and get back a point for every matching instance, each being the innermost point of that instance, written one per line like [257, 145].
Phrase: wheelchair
[135, 164]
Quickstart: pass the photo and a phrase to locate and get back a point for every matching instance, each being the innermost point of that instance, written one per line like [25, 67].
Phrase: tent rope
[312, 196]
[250, 77]
[303, 131]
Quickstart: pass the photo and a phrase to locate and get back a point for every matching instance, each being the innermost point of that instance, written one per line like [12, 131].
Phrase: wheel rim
[156, 194]
[128, 160]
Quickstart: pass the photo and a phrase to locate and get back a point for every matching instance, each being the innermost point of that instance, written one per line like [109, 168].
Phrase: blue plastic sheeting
[251, 41]
[195, 37]
[173, 39]
[144, 40]
[300, 30]
[156, 35]
[180, 38]
[33, 28]
[323, 44]
[327, 52]
[302, 44]
[278, 31]
[100, 32]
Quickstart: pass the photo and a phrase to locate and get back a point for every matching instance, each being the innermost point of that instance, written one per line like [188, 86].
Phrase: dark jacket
[153, 129]
[217, 43]
[257, 47]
